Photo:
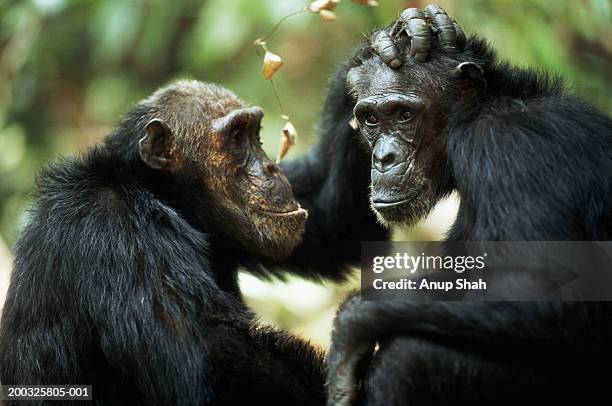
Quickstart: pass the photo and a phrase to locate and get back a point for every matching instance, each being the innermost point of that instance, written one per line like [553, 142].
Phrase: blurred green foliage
[68, 69]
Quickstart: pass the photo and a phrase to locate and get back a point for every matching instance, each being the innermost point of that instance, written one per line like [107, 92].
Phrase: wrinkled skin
[401, 126]
[400, 115]
[248, 189]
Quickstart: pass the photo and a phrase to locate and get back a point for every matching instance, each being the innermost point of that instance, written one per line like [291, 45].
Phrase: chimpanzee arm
[264, 363]
[229, 360]
[332, 182]
[530, 334]
[149, 301]
[169, 331]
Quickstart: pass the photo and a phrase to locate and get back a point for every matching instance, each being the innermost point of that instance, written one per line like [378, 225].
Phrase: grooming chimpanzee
[530, 162]
[125, 275]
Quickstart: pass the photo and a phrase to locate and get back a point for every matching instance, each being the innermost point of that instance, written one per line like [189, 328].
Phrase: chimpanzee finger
[444, 25]
[418, 32]
[385, 47]
[460, 33]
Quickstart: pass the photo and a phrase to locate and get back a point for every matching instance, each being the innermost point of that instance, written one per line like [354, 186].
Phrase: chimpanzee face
[206, 130]
[401, 121]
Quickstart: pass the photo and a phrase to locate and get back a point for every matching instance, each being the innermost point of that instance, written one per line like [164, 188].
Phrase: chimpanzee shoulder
[529, 145]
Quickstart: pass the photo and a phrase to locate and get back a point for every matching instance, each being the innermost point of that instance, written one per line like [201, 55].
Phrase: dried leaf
[372, 3]
[327, 15]
[290, 132]
[318, 5]
[272, 63]
[288, 137]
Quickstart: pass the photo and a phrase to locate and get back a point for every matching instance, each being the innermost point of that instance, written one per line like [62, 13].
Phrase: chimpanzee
[530, 161]
[125, 275]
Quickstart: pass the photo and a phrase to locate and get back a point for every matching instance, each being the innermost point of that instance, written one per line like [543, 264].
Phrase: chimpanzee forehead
[384, 79]
[374, 77]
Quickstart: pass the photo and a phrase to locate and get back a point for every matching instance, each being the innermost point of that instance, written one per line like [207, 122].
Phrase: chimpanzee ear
[468, 70]
[156, 147]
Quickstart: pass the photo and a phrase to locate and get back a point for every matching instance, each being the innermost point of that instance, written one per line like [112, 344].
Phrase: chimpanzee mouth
[291, 213]
[382, 205]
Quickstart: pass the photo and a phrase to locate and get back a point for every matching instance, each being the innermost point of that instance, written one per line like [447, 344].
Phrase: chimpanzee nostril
[387, 161]
[385, 156]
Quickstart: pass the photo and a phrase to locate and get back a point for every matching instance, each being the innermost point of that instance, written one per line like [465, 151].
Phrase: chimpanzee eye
[405, 116]
[371, 120]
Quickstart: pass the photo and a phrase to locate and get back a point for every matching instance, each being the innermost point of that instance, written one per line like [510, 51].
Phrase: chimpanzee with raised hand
[530, 161]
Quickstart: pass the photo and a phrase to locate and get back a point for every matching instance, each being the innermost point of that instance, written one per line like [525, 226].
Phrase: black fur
[118, 285]
[530, 162]
[529, 146]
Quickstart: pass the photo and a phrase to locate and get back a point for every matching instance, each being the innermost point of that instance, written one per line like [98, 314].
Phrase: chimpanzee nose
[386, 155]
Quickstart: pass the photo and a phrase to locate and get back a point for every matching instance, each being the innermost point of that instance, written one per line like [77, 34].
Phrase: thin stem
[278, 102]
[294, 13]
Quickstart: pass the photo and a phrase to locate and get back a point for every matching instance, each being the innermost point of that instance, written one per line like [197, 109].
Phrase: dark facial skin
[207, 132]
[401, 81]
[401, 115]
[401, 125]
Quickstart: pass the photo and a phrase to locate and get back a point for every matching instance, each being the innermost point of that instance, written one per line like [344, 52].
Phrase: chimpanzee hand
[422, 28]
[347, 352]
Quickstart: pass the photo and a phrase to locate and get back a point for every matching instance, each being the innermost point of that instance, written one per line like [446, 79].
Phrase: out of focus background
[69, 69]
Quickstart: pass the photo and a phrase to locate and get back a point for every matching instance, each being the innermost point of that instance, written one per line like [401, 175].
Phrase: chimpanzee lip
[297, 212]
[377, 204]
[380, 204]
[383, 204]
